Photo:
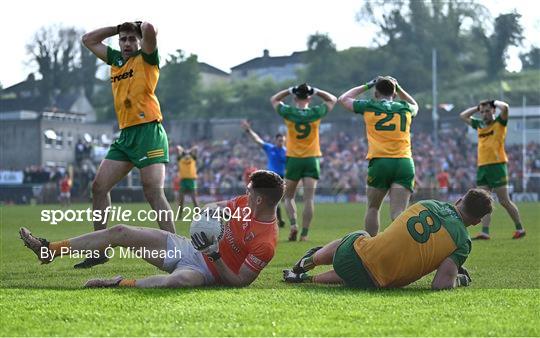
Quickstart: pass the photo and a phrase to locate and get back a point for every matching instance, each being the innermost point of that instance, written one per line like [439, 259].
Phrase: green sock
[293, 222]
[485, 230]
[304, 231]
[518, 226]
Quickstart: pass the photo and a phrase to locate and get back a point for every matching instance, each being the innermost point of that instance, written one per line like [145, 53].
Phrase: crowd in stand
[343, 166]
[221, 163]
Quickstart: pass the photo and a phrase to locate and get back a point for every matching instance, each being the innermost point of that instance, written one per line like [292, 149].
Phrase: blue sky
[221, 33]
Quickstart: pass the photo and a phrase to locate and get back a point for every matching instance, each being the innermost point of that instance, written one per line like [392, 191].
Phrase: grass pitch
[504, 299]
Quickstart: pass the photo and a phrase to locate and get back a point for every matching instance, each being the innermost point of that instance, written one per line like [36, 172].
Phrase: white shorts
[65, 194]
[189, 258]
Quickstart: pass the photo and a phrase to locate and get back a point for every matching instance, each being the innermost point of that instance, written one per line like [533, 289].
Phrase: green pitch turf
[36, 300]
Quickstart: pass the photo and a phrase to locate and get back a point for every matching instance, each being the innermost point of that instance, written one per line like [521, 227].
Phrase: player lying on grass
[429, 235]
[248, 244]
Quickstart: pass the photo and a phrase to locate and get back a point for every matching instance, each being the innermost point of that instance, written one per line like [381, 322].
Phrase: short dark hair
[385, 86]
[490, 103]
[477, 203]
[130, 27]
[303, 91]
[269, 184]
[279, 135]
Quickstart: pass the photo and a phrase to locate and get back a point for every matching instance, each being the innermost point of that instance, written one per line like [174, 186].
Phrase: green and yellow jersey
[491, 141]
[187, 166]
[415, 244]
[388, 127]
[133, 84]
[303, 129]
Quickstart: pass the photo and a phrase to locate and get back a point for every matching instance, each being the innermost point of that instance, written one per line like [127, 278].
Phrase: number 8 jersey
[303, 129]
[415, 244]
[388, 127]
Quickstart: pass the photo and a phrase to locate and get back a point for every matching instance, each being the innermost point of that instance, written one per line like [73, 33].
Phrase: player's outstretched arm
[447, 276]
[467, 114]
[252, 134]
[279, 96]
[149, 40]
[347, 99]
[329, 99]
[94, 40]
[504, 107]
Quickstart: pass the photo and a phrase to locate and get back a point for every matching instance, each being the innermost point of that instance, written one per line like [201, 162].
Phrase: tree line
[471, 62]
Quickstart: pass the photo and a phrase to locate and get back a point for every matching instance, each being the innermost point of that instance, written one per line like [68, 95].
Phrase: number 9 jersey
[303, 129]
[415, 244]
[388, 127]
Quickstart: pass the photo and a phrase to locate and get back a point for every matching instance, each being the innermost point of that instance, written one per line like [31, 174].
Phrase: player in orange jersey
[247, 246]
[65, 190]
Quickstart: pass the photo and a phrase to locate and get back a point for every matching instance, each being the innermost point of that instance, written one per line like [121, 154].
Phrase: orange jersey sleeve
[245, 240]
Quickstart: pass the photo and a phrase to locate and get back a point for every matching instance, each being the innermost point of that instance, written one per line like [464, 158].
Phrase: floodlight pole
[524, 146]
[434, 114]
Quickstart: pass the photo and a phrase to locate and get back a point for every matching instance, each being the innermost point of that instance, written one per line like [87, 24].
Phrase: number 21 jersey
[388, 127]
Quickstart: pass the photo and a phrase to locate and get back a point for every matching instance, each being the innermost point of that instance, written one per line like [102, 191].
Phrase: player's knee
[152, 192]
[118, 233]
[505, 202]
[179, 281]
[98, 188]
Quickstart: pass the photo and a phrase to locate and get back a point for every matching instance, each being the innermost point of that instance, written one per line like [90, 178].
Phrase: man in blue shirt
[275, 154]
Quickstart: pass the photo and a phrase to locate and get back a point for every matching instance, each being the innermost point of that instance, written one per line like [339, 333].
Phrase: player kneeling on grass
[429, 235]
[248, 243]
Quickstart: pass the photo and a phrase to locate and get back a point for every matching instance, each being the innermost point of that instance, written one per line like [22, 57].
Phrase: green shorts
[382, 172]
[348, 265]
[142, 145]
[299, 167]
[188, 184]
[492, 175]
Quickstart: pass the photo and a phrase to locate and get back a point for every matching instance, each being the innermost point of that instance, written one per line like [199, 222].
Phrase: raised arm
[279, 96]
[194, 150]
[504, 107]
[467, 114]
[149, 41]
[179, 150]
[329, 99]
[347, 99]
[94, 40]
[253, 135]
[403, 95]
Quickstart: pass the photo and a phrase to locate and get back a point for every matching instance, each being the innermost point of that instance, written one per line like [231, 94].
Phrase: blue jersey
[276, 158]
